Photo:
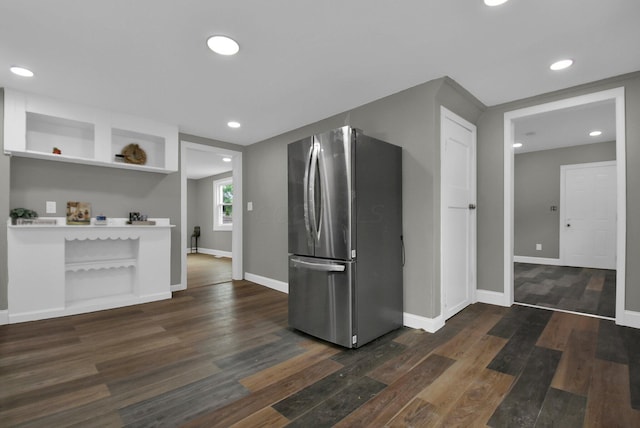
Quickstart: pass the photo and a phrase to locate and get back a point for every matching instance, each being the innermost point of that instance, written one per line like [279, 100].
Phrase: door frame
[617, 95]
[444, 115]
[237, 272]
[563, 200]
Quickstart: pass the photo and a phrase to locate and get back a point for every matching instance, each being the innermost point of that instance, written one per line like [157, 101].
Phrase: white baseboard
[178, 287]
[491, 298]
[267, 282]
[430, 325]
[538, 260]
[631, 319]
[211, 252]
[4, 317]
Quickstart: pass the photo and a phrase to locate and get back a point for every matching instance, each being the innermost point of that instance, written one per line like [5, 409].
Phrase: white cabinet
[34, 126]
[58, 270]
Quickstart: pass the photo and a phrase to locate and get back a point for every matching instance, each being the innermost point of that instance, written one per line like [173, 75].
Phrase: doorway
[203, 151]
[616, 97]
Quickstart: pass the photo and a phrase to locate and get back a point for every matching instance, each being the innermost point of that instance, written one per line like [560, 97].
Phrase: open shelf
[35, 125]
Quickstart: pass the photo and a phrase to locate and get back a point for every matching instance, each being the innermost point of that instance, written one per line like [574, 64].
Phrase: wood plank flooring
[223, 356]
[583, 290]
[205, 269]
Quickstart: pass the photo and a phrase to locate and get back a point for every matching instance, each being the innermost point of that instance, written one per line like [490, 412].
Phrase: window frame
[218, 226]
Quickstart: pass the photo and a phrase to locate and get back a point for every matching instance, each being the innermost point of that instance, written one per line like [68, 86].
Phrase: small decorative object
[21, 213]
[119, 157]
[57, 151]
[133, 153]
[135, 218]
[78, 213]
[101, 220]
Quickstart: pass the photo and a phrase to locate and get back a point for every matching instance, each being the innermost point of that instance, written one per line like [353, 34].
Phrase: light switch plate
[51, 207]
[249, 206]
[539, 247]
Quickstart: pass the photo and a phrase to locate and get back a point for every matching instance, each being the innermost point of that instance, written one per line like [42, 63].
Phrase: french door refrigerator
[345, 236]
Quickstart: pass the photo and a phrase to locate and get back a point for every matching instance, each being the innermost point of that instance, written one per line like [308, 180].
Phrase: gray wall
[5, 171]
[112, 192]
[409, 119]
[491, 185]
[200, 213]
[537, 188]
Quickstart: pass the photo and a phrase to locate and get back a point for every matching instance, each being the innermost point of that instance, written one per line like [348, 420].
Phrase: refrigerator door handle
[324, 267]
[307, 223]
[311, 191]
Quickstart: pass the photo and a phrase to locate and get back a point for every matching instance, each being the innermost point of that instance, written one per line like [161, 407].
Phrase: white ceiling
[566, 127]
[205, 163]
[303, 60]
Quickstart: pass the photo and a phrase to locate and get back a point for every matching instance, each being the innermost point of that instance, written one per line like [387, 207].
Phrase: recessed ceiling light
[223, 45]
[494, 2]
[21, 71]
[517, 145]
[595, 133]
[233, 124]
[226, 159]
[561, 65]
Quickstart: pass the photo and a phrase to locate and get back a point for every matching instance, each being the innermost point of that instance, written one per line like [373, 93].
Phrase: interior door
[458, 221]
[588, 215]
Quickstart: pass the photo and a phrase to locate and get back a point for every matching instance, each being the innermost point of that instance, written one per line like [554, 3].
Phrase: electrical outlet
[538, 247]
[51, 207]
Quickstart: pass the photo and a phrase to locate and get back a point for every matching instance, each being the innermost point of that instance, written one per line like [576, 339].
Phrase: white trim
[236, 237]
[492, 298]
[537, 260]
[114, 303]
[267, 282]
[473, 240]
[178, 287]
[617, 94]
[546, 308]
[630, 319]
[4, 317]
[212, 252]
[430, 325]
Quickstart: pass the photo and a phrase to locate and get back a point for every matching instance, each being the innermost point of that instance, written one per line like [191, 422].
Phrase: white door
[458, 219]
[588, 215]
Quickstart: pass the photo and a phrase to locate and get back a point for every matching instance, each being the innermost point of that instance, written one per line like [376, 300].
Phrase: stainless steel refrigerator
[345, 236]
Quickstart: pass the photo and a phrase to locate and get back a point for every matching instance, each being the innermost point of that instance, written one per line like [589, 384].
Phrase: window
[223, 204]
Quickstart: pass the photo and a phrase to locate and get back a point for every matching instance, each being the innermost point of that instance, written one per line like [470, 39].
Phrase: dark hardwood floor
[222, 356]
[583, 290]
[205, 269]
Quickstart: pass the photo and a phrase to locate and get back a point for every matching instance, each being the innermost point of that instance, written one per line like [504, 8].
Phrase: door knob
[472, 206]
[568, 225]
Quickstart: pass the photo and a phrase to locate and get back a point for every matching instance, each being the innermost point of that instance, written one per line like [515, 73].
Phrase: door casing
[616, 94]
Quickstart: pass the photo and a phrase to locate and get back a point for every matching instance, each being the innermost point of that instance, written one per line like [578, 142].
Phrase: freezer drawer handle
[319, 266]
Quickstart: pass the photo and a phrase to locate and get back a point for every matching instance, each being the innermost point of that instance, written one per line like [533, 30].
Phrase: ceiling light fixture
[223, 45]
[561, 65]
[21, 71]
[517, 145]
[595, 133]
[233, 124]
[226, 159]
[494, 2]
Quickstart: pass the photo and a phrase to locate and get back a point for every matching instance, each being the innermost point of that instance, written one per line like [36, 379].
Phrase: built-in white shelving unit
[35, 125]
[58, 270]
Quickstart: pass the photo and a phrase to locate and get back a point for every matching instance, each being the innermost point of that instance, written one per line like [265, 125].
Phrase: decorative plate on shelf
[133, 153]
